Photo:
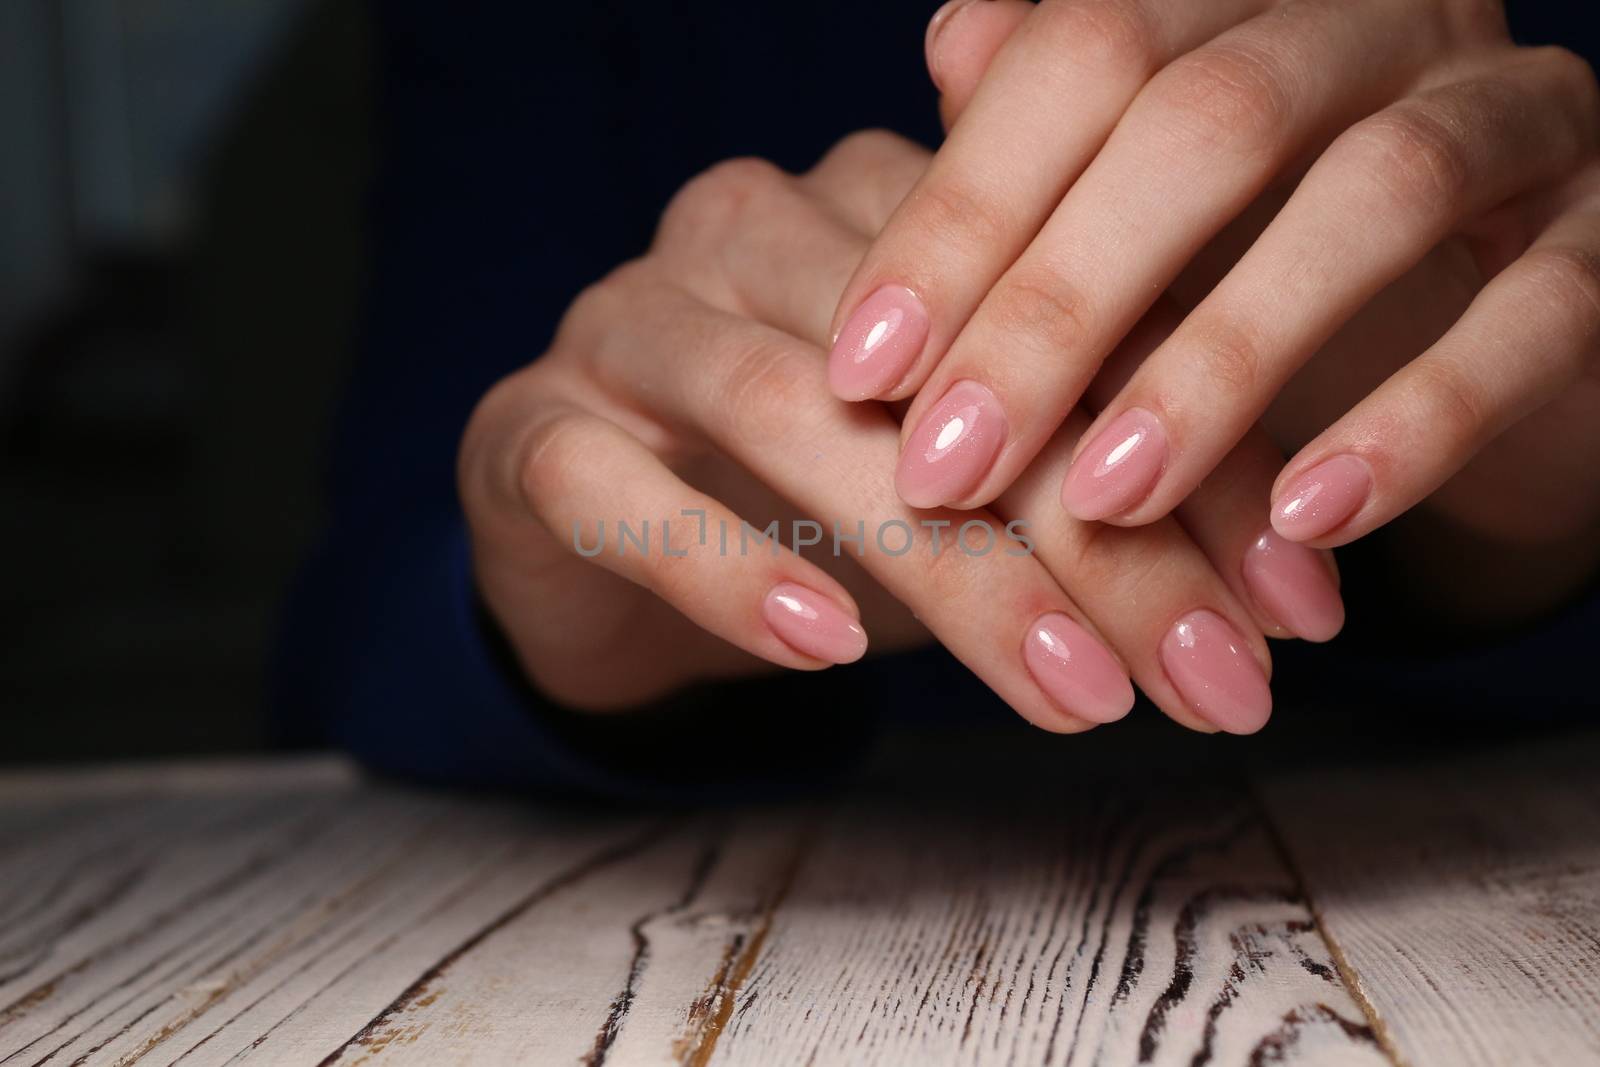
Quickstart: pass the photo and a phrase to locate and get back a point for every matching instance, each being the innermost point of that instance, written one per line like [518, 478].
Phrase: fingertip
[813, 625]
[878, 343]
[1118, 469]
[1322, 499]
[1076, 671]
[962, 40]
[1218, 672]
[936, 27]
[1294, 586]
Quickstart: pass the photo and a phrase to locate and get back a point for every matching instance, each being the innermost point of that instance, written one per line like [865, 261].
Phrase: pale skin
[695, 378]
[1380, 220]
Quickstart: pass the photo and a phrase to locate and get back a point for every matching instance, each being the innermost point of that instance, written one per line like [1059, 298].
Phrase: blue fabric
[525, 149]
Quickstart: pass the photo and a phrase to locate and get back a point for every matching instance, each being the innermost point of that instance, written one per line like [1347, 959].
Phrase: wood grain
[1099, 931]
[295, 914]
[1465, 898]
[270, 924]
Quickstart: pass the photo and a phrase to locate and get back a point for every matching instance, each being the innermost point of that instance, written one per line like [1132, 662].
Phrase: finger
[962, 40]
[757, 396]
[1187, 640]
[1529, 335]
[1383, 195]
[1200, 142]
[754, 241]
[1057, 86]
[1290, 590]
[863, 178]
[606, 497]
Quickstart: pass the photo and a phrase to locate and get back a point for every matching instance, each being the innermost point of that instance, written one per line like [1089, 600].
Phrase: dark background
[181, 206]
[183, 195]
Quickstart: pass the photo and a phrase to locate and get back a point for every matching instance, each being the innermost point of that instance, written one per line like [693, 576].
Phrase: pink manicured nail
[1118, 469]
[878, 344]
[1292, 584]
[1322, 498]
[1212, 668]
[813, 624]
[1075, 670]
[951, 450]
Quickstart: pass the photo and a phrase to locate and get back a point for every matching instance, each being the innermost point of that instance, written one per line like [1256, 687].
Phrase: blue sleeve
[523, 151]
[391, 658]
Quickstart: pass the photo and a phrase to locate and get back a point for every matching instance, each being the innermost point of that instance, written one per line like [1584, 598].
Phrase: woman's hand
[690, 386]
[1118, 149]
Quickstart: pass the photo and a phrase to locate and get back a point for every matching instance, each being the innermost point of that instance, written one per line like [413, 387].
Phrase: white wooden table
[1437, 913]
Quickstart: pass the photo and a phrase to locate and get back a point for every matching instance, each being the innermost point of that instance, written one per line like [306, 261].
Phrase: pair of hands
[1219, 227]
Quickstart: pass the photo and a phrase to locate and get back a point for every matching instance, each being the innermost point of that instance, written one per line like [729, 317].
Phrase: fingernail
[951, 450]
[1322, 498]
[1292, 584]
[1075, 670]
[1213, 670]
[1118, 469]
[878, 344]
[936, 25]
[813, 624]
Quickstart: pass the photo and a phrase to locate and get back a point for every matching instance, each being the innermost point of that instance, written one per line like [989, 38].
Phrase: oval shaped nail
[1212, 668]
[1293, 585]
[878, 344]
[952, 448]
[1118, 468]
[1323, 498]
[813, 624]
[1075, 670]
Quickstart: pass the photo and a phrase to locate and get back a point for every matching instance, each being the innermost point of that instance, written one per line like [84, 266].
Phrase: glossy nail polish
[1322, 498]
[1210, 665]
[1292, 584]
[813, 624]
[878, 344]
[1118, 469]
[952, 448]
[1075, 670]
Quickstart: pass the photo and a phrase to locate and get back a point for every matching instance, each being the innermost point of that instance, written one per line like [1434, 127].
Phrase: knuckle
[553, 458]
[1230, 97]
[1111, 35]
[763, 385]
[1570, 275]
[1454, 401]
[1477, 20]
[475, 459]
[1111, 560]
[1413, 158]
[1574, 73]
[1036, 305]
[1231, 354]
[717, 198]
[960, 216]
[862, 148]
[948, 577]
[596, 307]
[677, 580]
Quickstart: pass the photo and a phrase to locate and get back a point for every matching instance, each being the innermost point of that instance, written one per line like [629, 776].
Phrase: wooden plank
[272, 923]
[1071, 928]
[1464, 896]
[630, 964]
[307, 916]
[20, 786]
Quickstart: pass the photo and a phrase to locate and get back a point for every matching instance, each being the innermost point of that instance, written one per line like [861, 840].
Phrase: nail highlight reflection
[952, 448]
